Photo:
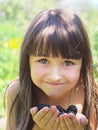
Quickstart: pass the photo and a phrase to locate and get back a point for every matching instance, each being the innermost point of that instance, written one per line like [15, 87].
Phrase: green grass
[9, 57]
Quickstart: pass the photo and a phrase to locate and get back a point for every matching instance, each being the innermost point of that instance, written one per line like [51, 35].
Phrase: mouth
[54, 83]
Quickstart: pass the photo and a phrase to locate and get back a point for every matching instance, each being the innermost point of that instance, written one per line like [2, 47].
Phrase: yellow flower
[15, 43]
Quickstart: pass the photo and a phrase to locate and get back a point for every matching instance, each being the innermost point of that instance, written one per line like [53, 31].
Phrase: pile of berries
[70, 109]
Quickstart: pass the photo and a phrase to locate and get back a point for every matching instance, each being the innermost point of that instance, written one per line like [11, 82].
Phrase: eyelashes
[43, 61]
[65, 63]
[68, 63]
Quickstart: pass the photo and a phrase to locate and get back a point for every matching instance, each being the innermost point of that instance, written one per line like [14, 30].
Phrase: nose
[55, 74]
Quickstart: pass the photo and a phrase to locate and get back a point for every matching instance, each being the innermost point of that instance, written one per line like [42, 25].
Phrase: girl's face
[55, 76]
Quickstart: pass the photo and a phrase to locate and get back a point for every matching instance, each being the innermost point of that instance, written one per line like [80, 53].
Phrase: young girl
[55, 68]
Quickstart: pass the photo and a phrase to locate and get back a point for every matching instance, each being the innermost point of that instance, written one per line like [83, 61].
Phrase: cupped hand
[46, 118]
[72, 122]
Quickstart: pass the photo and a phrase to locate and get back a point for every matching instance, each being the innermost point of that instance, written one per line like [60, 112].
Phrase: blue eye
[43, 61]
[68, 63]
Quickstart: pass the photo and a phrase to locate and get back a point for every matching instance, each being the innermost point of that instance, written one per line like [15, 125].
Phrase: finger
[63, 125]
[40, 114]
[52, 121]
[56, 124]
[68, 121]
[82, 119]
[76, 123]
[52, 115]
[33, 111]
[48, 116]
[59, 127]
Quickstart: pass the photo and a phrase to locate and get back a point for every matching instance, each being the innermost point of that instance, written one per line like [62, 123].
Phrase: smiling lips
[53, 83]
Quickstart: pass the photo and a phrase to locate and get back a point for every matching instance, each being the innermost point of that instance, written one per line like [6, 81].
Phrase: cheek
[37, 74]
[34, 76]
[37, 77]
[73, 74]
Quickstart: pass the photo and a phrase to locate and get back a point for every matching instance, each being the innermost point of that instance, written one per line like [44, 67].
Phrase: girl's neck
[63, 101]
[75, 96]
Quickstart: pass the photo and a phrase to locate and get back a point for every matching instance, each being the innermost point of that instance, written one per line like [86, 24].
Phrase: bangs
[56, 38]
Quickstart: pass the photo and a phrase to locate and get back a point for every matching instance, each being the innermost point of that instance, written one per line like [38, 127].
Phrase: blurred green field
[8, 57]
[8, 61]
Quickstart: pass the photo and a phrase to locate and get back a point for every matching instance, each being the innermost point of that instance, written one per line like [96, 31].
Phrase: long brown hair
[56, 32]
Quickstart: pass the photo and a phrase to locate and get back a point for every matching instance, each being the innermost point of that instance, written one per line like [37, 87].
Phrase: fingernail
[82, 121]
[33, 109]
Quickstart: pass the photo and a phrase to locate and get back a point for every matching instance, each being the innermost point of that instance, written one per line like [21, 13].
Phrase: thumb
[82, 119]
